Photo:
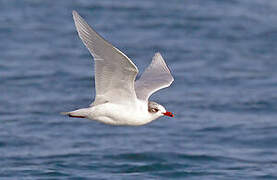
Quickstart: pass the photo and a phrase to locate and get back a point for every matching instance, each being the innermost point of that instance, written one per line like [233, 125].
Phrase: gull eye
[154, 110]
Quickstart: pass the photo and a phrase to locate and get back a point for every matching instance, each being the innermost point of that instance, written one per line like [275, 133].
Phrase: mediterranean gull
[119, 99]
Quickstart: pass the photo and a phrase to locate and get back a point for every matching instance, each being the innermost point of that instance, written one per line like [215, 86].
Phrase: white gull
[120, 100]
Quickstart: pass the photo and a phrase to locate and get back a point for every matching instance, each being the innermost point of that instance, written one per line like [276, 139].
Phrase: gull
[119, 99]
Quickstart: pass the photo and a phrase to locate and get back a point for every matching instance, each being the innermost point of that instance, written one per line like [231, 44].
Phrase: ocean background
[222, 54]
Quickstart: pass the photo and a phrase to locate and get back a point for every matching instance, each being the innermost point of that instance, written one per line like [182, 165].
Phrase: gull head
[158, 110]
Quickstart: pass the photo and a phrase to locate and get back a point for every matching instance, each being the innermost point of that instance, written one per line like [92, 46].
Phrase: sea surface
[222, 54]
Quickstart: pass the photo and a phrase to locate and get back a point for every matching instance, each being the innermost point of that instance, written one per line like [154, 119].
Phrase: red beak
[170, 114]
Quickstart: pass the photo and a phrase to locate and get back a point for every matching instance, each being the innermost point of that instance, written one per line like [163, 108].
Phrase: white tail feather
[79, 113]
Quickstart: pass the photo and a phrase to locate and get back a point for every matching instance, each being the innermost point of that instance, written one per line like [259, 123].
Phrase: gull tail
[79, 113]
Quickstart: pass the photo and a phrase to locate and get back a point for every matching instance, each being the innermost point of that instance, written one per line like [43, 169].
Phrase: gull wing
[156, 76]
[115, 73]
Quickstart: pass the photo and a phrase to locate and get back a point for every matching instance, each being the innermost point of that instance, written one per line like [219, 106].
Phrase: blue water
[222, 54]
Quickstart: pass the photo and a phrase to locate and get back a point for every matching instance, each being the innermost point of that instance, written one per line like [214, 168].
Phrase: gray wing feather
[115, 73]
[156, 76]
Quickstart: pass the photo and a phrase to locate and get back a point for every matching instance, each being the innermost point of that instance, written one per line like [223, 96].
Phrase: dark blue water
[222, 54]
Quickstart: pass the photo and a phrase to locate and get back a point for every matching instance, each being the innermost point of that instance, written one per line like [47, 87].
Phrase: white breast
[121, 114]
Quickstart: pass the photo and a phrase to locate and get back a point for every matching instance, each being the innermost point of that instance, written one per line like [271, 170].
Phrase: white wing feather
[156, 76]
[115, 73]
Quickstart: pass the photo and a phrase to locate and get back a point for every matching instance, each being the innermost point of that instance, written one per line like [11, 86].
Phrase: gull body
[120, 100]
[118, 114]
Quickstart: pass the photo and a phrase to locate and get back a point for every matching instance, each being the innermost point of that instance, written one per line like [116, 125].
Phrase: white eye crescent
[154, 110]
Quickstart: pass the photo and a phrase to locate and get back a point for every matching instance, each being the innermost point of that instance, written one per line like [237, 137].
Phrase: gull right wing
[115, 73]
